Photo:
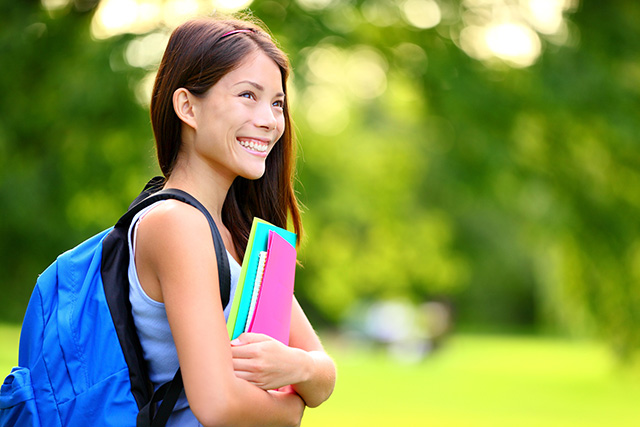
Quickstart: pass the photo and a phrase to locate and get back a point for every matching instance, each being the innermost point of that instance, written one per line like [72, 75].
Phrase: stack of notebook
[264, 294]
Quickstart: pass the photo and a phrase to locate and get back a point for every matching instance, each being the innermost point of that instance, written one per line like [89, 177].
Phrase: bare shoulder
[175, 215]
[173, 227]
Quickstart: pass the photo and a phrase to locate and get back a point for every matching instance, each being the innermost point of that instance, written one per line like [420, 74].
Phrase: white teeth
[256, 146]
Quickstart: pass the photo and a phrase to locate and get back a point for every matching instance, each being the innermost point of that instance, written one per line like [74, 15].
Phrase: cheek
[281, 126]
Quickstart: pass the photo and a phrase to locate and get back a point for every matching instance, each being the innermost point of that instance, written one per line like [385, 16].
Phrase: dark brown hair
[197, 56]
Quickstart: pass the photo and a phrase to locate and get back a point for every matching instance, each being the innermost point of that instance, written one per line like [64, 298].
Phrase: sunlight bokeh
[422, 13]
[509, 30]
[115, 17]
[513, 42]
[52, 5]
[314, 4]
[339, 78]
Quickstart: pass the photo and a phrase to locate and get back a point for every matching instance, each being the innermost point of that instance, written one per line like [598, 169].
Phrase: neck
[205, 185]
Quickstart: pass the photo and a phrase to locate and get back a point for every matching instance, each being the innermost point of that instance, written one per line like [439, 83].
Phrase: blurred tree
[529, 165]
[484, 152]
[74, 144]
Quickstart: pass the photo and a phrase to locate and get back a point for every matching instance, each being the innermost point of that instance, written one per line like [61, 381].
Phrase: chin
[253, 174]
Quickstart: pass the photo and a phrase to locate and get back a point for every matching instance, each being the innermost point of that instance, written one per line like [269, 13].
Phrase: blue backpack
[80, 359]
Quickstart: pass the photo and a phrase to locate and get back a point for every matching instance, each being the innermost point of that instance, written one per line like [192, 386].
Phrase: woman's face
[240, 118]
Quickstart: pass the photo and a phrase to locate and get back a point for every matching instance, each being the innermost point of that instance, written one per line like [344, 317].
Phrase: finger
[247, 377]
[244, 365]
[244, 352]
[250, 337]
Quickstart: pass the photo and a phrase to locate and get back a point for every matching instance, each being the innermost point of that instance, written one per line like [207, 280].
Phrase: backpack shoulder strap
[224, 275]
[115, 259]
[169, 392]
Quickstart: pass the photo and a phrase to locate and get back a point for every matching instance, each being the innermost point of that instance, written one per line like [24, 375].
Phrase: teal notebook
[258, 240]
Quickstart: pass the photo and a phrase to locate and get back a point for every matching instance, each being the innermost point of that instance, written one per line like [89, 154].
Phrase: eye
[279, 103]
[248, 95]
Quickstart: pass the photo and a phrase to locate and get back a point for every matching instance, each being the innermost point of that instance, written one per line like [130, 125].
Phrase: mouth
[253, 145]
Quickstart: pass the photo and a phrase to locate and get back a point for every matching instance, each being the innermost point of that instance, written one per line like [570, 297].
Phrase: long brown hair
[198, 55]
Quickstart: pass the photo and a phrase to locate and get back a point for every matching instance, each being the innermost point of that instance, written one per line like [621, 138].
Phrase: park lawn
[483, 381]
[474, 380]
[9, 337]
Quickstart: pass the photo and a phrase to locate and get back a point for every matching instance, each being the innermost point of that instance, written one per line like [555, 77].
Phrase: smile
[254, 145]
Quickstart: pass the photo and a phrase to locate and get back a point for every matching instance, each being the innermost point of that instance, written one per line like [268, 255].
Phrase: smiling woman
[244, 109]
[221, 121]
[224, 141]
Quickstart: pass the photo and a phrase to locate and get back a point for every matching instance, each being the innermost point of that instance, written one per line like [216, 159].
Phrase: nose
[266, 117]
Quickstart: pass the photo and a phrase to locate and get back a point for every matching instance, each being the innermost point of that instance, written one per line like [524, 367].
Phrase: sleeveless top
[150, 318]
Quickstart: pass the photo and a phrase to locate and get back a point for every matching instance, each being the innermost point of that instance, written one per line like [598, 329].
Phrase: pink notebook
[272, 314]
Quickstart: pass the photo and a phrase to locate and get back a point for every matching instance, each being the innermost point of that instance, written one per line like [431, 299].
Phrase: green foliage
[74, 145]
[511, 191]
[520, 182]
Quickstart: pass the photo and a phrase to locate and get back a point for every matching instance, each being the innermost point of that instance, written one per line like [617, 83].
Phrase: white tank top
[150, 318]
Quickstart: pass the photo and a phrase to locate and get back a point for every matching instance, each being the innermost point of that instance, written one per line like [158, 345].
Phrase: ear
[183, 101]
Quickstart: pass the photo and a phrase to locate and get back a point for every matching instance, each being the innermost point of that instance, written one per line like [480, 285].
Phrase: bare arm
[319, 370]
[177, 259]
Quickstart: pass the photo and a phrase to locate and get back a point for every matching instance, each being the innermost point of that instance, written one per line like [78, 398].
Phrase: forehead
[258, 68]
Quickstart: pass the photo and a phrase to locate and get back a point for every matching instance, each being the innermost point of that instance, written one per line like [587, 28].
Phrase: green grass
[475, 380]
[483, 381]
[9, 337]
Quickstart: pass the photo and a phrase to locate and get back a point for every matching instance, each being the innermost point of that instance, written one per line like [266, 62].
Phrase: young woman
[223, 133]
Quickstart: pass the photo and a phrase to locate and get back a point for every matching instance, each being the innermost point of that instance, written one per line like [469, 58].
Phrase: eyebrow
[257, 86]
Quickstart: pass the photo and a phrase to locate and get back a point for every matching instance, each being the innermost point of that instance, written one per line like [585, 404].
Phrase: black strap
[224, 275]
[169, 392]
[224, 272]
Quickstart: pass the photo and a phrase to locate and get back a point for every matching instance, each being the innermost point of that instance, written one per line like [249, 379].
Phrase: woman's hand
[266, 362]
[271, 365]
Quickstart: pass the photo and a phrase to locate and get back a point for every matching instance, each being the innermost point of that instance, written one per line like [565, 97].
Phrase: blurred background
[469, 169]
